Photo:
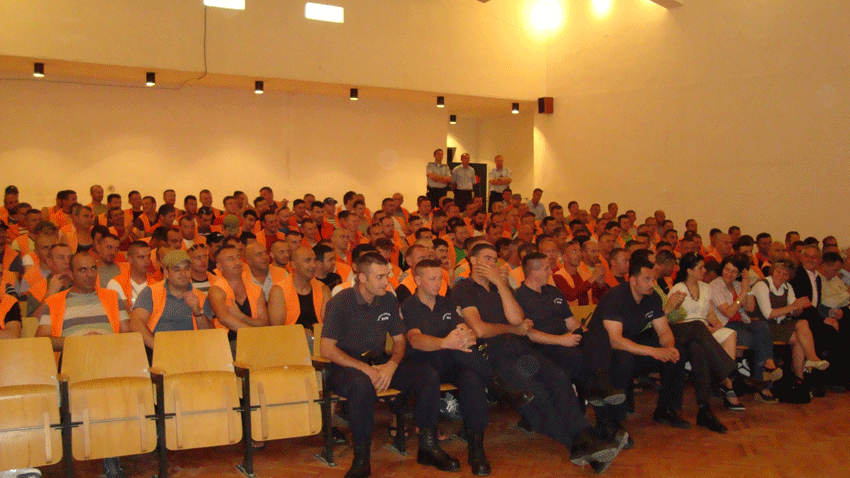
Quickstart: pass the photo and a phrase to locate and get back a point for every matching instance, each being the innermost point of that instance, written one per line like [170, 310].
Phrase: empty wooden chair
[111, 398]
[29, 404]
[199, 388]
[283, 381]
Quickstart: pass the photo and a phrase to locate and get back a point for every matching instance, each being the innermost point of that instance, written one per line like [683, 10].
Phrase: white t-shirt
[137, 287]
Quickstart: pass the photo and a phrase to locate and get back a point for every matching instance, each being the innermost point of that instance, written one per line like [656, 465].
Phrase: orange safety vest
[253, 290]
[108, 299]
[123, 279]
[23, 244]
[293, 305]
[6, 303]
[146, 223]
[410, 283]
[159, 294]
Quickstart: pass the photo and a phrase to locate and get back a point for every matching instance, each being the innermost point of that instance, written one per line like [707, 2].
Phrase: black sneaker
[587, 449]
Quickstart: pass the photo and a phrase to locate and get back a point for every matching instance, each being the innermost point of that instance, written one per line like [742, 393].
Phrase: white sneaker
[21, 473]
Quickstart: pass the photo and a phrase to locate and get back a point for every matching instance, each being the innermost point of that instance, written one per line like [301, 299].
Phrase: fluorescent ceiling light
[231, 4]
[324, 13]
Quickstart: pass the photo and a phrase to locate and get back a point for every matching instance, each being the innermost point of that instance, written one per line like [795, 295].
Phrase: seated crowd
[478, 299]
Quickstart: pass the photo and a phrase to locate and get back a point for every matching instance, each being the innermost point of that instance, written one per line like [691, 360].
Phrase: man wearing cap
[230, 226]
[330, 211]
[172, 304]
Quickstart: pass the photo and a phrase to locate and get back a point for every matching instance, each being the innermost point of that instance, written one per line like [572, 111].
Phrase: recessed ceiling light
[324, 13]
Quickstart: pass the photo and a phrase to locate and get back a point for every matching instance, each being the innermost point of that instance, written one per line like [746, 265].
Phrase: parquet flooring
[782, 441]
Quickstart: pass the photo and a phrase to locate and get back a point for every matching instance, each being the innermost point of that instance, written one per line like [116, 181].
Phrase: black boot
[477, 460]
[360, 465]
[705, 418]
[505, 392]
[601, 392]
[431, 454]
[587, 448]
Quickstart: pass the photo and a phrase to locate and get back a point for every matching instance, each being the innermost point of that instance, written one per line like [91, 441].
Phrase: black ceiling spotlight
[441, 102]
[38, 70]
[353, 95]
[258, 87]
[150, 78]
[452, 119]
[515, 108]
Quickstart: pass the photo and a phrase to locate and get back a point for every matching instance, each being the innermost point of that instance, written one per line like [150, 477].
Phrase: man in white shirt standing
[439, 178]
[463, 181]
[535, 206]
[499, 179]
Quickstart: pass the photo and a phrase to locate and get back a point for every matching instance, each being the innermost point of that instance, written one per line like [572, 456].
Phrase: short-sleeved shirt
[548, 309]
[84, 313]
[498, 174]
[618, 304]
[360, 327]
[539, 210]
[331, 280]
[436, 322]
[175, 316]
[440, 169]
[107, 273]
[464, 178]
[468, 293]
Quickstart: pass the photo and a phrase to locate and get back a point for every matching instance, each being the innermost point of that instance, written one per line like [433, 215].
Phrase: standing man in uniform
[463, 180]
[499, 179]
[439, 178]
[353, 339]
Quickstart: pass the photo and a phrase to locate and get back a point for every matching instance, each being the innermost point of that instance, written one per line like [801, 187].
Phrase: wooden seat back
[283, 381]
[29, 404]
[582, 313]
[110, 394]
[200, 388]
[28, 327]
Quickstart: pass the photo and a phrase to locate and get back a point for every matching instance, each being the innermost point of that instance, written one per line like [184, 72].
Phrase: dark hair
[714, 231]
[532, 256]
[637, 263]
[250, 212]
[743, 241]
[502, 242]
[645, 253]
[166, 209]
[427, 264]
[320, 250]
[482, 246]
[419, 232]
[361, 249]
[686, 263]
[831, 258]
[740, 261]
[733, 228]
[762, 235]
[367, 259]
[437, 242]
[665, 256]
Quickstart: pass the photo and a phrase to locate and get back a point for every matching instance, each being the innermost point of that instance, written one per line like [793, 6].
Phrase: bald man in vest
[259, 270]
[299, 298]
[233, 301]
[172, 304]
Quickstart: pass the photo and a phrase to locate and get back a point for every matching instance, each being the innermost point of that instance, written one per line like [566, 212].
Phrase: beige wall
[70, 136]
[727, 111]
[448, 46]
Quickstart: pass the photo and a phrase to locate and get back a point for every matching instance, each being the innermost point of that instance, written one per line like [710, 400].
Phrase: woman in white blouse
[733, 301]
[697, 307]
[777, 304]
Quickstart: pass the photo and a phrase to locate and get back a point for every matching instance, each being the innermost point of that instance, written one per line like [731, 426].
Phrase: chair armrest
[240, 368]
[320, 363]
[156, 371]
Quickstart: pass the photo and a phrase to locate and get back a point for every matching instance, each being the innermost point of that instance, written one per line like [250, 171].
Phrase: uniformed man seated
[353, 339]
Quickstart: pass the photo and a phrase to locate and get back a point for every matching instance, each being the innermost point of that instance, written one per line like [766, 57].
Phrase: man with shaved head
[299, 298]
[259, 271]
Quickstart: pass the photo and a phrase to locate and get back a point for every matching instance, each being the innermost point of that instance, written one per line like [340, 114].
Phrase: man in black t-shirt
[325, 263]
[632, 315]
[356, 325]
[439, 338]
[557, 335]
[490, 310]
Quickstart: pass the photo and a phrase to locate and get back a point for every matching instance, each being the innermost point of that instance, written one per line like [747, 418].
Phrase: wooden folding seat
[29, 404]
[28, 326]
[196, 388]
[283, 381]
[111, 398]
[582, 313]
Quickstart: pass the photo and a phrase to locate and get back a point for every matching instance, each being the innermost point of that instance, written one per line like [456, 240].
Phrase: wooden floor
[765, 441]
